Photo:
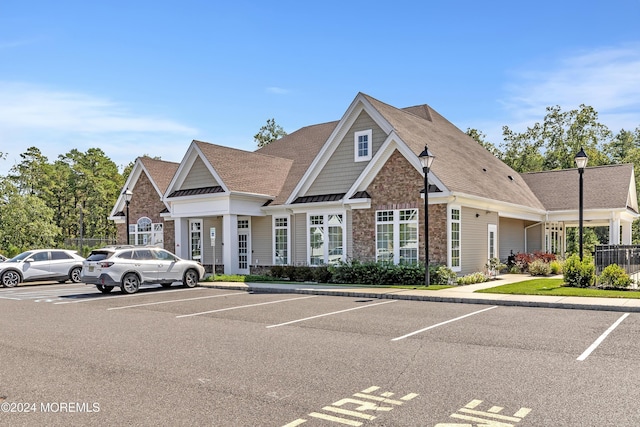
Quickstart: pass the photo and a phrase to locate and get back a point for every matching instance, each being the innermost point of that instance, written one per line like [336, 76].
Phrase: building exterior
[354, 189]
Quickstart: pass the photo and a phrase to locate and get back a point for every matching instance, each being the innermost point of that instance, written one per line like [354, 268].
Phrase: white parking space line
[86, 299]
[329, 314]
[243, 306]
[597, 342]
[175, 300]
[443, 323]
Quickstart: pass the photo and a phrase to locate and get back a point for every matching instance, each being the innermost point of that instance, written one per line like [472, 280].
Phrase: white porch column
[626, 232]
[230, 243]
[614, 231]
[182, 237]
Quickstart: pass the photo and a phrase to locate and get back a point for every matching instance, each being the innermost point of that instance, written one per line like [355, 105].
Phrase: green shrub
[539, 268]
[556, 266]
[614, 276]
[441, 275]
[472, 278]
[579, 274]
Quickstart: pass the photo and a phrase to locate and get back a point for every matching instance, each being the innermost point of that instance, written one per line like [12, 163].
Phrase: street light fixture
[426, 159]
[581, 161]
[127, 198]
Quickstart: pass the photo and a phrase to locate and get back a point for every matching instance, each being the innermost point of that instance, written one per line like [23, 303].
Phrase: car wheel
[166, 285]
[104, 289]
[75, 275]
[10, 279]
[130, 284]
[190, 278]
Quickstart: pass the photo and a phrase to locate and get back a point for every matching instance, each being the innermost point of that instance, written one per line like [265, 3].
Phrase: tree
[554, 143]
[269, 133]
[27, 222]
[480, 138]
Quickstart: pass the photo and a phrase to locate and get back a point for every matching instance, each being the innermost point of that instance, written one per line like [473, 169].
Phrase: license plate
[90, 268]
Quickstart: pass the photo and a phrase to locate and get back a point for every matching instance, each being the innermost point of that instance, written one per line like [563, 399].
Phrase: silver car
[41, 264]
[129, 267]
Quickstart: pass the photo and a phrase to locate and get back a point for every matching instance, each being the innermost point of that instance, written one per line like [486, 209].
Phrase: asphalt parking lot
[202, 356]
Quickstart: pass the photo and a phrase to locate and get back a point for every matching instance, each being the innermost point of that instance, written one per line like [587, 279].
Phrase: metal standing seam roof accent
[320, 198]
[197, 191]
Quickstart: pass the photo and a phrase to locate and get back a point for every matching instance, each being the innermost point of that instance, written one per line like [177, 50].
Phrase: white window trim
[356, 156]
[494, 228]
[288, 218]
[396, 231]
[325, 248]
[449, 242]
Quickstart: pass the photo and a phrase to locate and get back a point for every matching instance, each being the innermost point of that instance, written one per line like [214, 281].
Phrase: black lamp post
[581, 161]
[426, 159]
[127, 198]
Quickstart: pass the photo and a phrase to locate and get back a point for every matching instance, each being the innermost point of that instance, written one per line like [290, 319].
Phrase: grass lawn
[555, 287]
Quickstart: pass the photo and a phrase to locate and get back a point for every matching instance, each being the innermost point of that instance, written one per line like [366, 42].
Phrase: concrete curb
[584, 303]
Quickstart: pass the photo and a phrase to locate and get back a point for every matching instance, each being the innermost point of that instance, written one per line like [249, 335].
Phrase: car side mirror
[30, 259]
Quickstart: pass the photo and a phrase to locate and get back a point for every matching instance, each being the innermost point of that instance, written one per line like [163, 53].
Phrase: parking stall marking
[175, 300]
[101, 296]
[242, 306]
[329, 314]
[39, 295]
[597, 342]
[443, 323]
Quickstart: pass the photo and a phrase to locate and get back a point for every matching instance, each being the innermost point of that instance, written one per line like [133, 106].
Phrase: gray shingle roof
[301, 147]
[161, 171]
[605, 187]
[463, 165]
[246, 171]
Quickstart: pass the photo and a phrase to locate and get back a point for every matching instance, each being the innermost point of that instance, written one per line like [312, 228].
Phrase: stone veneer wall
[398, 186]
[146, 202]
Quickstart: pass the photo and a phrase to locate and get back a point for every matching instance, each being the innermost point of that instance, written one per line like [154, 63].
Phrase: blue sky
[142, 77]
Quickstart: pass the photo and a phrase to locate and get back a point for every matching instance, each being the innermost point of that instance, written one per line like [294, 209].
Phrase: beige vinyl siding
[342, 170]
[510, 236]
[207, 249]
[261, 242]
[199, 177]
[299, 239]
[534, 238]
[474, 234]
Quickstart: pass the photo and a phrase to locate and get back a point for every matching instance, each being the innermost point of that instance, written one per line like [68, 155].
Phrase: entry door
[244, 245]
[195, 239]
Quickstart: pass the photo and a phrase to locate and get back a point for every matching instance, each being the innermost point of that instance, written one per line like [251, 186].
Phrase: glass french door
[195, 239]
[244, 246]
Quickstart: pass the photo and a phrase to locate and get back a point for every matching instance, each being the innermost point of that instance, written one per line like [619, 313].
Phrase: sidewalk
[460, 294]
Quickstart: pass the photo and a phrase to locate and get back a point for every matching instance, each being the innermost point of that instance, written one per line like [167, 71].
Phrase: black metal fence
[626, 256]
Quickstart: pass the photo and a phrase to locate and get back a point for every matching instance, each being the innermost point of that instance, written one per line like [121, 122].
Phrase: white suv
[41, 264]
[128, 267]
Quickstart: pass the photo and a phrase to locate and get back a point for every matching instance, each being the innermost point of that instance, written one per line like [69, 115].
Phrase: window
[326, 235]
[492, 234]
[145, 232]
[281, 241]
[59, 255]
[454, 238]
[362, 145]
[397, 236]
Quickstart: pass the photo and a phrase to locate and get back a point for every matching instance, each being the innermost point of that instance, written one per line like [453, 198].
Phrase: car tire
[74, 275]
[10, 279]
[190, 279]
[104, 289]
[130, 283]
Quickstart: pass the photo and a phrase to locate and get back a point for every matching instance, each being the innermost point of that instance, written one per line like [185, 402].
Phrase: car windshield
[20, 257]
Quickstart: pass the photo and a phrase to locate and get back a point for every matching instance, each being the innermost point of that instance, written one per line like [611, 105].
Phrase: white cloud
[277, 90]
[606, 79]
[58, 121]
